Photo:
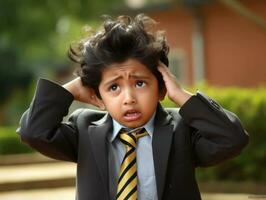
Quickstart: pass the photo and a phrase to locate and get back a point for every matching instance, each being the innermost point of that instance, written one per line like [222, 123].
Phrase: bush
[250, 107]
[10, 142]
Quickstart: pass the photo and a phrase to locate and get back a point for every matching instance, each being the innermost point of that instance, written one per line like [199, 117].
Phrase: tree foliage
[28, 33]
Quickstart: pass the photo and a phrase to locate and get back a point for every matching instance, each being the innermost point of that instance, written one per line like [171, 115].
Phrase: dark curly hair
[117, 41]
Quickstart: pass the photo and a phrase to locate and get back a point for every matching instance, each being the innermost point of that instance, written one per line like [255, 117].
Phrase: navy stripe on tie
[131, 192]
[127, 168]
[128, 182]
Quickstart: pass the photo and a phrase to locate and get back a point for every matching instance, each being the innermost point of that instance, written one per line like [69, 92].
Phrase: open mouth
[132, 115]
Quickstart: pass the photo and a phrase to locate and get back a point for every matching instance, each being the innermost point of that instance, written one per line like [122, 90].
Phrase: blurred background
[216, 46]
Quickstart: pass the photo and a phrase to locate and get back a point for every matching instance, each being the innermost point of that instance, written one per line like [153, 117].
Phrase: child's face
[129, 93]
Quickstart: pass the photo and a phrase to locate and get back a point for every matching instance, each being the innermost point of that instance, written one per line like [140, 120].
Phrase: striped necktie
[127, 182]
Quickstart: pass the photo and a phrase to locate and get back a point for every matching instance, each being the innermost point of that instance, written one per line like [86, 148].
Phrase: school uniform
[200, 133]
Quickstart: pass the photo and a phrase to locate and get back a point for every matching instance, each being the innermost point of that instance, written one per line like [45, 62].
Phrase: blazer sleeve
[41, 125]
[217, 134]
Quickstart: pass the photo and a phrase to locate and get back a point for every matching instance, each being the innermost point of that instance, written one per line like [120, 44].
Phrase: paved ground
[41, 194]
[36, 172]
[17, 172]
[68, 193]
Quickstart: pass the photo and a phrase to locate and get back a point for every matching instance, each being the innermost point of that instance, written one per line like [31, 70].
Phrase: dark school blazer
[200, 133]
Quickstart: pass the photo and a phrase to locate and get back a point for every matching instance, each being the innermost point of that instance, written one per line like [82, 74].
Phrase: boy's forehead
[133, 68]
[125, 74]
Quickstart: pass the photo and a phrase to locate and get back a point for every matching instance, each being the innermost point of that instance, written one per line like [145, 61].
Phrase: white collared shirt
[145, 167]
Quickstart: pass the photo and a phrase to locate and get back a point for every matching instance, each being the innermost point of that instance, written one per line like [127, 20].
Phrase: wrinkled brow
[131, 75]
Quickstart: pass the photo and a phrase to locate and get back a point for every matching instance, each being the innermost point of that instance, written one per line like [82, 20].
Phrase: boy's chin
[133, 125]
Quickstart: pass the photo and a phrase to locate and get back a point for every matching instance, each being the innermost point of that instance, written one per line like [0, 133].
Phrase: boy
[135, 148]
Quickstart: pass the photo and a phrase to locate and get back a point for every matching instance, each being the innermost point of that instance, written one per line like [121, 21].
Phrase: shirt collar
[149, 127]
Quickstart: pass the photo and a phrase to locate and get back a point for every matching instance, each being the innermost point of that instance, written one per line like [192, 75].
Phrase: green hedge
[10, 142]
[250, 106]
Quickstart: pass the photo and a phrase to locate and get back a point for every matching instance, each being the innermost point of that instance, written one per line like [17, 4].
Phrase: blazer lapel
[161, 144]
[98, 138]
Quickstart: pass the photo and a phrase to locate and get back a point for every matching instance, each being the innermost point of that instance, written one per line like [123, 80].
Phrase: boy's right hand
[83, 94]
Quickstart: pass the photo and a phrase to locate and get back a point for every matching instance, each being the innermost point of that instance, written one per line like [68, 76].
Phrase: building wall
[178, 25]
[234, 47]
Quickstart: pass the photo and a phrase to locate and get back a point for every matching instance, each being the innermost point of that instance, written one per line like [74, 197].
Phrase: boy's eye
[113, 87]
[140, 83]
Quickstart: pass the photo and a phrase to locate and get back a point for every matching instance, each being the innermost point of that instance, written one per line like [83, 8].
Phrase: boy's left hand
[174, 90]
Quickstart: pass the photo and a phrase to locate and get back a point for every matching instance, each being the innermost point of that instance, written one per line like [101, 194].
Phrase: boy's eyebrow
[135, 76]
[113, 79]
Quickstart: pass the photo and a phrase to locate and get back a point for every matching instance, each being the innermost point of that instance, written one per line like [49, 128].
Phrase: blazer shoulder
[87, 115]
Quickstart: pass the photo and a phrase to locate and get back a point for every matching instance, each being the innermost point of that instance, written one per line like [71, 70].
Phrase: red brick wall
[178, 25]
[235, 48]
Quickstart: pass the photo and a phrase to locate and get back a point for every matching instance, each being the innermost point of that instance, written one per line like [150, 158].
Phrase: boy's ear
[100, 104]
[96, 101]
[162, 93]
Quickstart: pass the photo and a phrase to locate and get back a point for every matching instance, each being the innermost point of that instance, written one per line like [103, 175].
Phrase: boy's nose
[129, 98]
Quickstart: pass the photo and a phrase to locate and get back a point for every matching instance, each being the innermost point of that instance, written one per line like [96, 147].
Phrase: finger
[162, 64]
[165, 72]
[161, 69]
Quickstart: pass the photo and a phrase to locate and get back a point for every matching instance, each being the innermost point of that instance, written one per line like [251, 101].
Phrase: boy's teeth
[128, 114]
[131, 116]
